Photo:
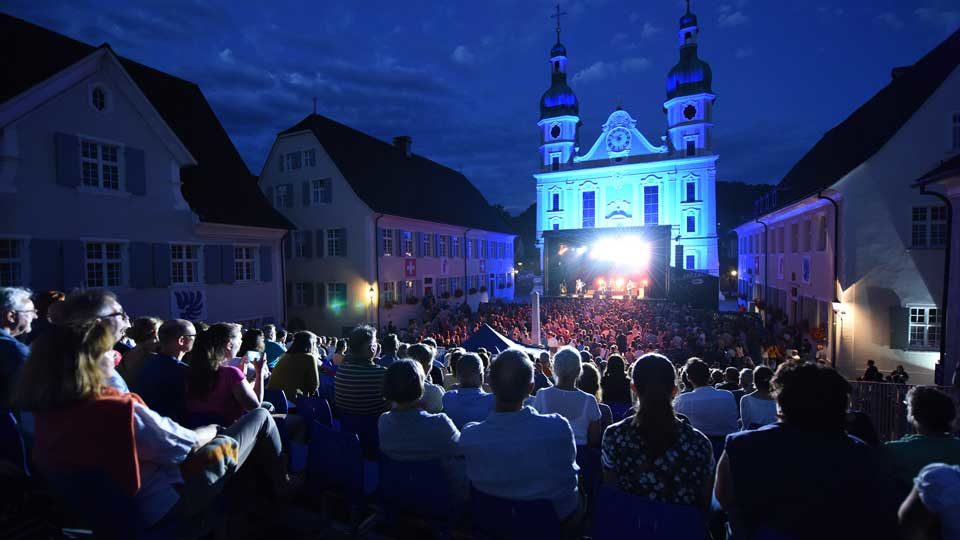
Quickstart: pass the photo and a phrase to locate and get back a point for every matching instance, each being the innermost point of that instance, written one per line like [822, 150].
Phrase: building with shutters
[378, 228]
[846, 245]
[116, 175]
[623, 179]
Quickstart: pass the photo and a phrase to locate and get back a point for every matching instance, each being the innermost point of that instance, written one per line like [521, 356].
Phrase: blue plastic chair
[618, 410]
[417, 488]
[335, 467]
[622, 515]
[327, 387]
[507, 519]
[279, 400]
[12, 448]
[719, 442]
[366, 428]
[315, 409]
[591, 472]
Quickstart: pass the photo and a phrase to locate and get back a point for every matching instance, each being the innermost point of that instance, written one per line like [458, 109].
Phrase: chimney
[898, 72]
[403, 142]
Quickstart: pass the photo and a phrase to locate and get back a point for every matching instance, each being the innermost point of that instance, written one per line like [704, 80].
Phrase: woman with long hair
[615, 383]
[253, 346]
[589, 382]
[655, 454]
[296, 372]
[216, 389]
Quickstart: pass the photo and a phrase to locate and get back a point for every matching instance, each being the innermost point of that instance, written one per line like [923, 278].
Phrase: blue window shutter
[289, 294]
[289, 195]
[899, 327]
[398, 242]
[418, 247]
[270, 196]
[328, 196]
[68, 159]
[321, 242]
[136, 170]
[306, 194]
[161, 265]
[141, 265]
[228, 270]
[280, 163]
[307, 244]
[288, 245]
[436, 245]
[343, 242]
[211, 264]
[266, 263]
[73, 276]
[46, 270]
[308, 293]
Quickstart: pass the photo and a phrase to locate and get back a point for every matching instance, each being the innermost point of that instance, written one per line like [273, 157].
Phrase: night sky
[464, 78]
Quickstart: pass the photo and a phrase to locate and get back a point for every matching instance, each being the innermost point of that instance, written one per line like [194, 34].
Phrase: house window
[691, 224]
[651, 205]
[100, 165]
[589, 209]
[956, 131]
[444, 246]
[300, 294]
[320, 191]
[691, 262]
[336, 294]
[426, 245]
[387, 239]
[104, 264]
[98, 98]
[822, 234]
[335, 243]
[691, 192]
[469, 247]
[293, 160]
[389, 291]
[299, 244]
[554, 202]
[310, 158]
[794, 237]
[443, 285]
[925, 327]
[184, 263]
[929, 226]
[454, 246]
[281, 196]
[807, 235]
[245, 263]
[691, 148]
[406, 238]
[11, 262]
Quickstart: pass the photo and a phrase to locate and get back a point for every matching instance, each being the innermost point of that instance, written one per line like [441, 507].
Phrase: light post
[371, 296]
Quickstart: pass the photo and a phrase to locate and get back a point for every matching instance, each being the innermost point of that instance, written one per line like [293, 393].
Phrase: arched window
[98, 98]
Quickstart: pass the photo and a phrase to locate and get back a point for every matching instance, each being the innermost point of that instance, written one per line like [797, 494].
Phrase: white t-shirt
[432, 397]
[577, 406]
[754, 410]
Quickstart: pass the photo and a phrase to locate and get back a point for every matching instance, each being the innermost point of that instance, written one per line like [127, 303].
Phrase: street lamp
[371, 294]
[733, 273]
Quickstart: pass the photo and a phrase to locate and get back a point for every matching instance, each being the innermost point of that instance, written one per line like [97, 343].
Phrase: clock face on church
[618, 140]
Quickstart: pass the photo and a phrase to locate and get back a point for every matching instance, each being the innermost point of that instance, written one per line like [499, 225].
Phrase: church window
[589, 209]
[691, 192]
[554, 202]
[556, 226]
[651, 205]
[555, 131]
[556, 66]
[691, 224]
[691, 147]
[555, 162]
[689, 112]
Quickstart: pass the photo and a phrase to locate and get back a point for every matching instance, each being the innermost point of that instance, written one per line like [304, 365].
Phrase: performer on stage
[630, 286]
[563, 288]
[579, 286]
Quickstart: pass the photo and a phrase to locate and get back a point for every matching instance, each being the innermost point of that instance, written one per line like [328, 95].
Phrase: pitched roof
[390, 182]
[863, 133]
[950, 167]
[220, 188]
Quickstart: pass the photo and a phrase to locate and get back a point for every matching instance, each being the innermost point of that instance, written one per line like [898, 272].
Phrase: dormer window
[99, 98]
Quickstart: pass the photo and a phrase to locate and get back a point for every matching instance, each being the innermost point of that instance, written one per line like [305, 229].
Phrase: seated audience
[517, 453]
[359, 382]
[388, 353]
[811, 455]
[49, 305]
[339, 349]
[654, 454]
[746, 380]
[296, 372]
[143, 331]
[252, 347]
[450, 376]
[432, 394]
[872, 373]
[932, 510]
[578, 407]
[18, 314]
[615, 383]
[589, 382]
[435, 373]
[543, 378]
[215, 388]
[898, 376]
[712, 411]
[758, 408]
[932, 414]
[468, 402]
[163, 379]
[273, 346]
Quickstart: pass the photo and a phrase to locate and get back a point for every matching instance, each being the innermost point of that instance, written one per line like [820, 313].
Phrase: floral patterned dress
[676, 477]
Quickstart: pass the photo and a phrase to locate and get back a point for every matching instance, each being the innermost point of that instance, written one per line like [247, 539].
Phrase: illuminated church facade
[625, 180]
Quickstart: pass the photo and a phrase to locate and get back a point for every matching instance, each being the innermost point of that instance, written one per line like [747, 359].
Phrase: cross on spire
[688, 6]
[557, 17]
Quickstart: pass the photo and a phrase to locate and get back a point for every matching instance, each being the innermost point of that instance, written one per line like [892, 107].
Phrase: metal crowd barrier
[884, 404]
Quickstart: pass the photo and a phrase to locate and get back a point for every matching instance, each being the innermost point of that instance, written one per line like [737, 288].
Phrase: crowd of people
[666, 402]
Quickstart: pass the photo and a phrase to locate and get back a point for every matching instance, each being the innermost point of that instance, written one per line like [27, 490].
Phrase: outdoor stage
[618, 263]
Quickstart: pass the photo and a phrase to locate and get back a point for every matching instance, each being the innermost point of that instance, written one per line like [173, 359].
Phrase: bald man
[517, 453]
[161, 382]
[468, 403]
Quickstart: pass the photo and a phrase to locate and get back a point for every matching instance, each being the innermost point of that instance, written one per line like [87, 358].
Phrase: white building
[847, 245]
[379, 228]
[116, 175]
[625, 180]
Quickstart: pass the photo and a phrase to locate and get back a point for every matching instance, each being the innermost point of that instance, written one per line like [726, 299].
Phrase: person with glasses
[162, 381]
[17, 314]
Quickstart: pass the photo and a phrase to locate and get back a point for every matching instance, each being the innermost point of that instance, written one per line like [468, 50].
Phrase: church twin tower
[623, 179]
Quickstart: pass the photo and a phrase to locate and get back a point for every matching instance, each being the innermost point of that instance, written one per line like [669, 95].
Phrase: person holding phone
[216, 388]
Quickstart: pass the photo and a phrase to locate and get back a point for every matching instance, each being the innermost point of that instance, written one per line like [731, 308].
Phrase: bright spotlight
[628, 250]
[619, 283]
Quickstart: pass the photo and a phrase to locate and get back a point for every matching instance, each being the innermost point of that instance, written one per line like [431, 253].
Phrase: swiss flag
[410, 267]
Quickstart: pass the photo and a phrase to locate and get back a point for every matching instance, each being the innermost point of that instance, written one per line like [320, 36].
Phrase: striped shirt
[359, 388]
